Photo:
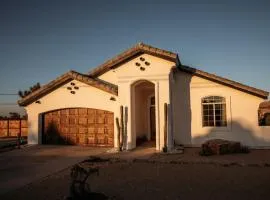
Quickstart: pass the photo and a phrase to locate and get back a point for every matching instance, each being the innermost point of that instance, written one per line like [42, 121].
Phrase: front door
[152, 118]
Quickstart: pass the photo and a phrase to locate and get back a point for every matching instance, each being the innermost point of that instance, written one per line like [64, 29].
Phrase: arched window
[214, 111]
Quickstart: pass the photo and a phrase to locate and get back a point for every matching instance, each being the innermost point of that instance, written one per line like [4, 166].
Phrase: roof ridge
[125, 55]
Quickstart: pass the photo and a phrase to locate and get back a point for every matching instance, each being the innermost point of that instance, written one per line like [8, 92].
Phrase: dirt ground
[142, 180]
[20, 167]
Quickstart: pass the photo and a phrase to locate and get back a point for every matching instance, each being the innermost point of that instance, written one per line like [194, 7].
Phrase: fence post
[19, 135]
[7, 127]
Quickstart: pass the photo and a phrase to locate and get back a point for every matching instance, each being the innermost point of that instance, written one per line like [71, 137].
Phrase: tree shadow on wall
[52, 135]
[234, 132]
[181, 106]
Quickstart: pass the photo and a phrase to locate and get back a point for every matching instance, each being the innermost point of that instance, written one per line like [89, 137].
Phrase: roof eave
[63, 79]
[224, 81]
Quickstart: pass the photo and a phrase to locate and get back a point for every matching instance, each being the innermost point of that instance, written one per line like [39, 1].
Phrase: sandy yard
[142, 180]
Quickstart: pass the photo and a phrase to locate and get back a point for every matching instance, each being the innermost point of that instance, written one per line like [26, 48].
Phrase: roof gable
[63, 79]
[136, 50]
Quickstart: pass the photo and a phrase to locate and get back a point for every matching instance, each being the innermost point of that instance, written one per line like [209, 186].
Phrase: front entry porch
[143, 113]
[144, 100]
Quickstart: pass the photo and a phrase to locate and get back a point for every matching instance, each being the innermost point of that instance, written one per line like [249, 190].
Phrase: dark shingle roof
[224, 81]
[265, 105]
[92, 78]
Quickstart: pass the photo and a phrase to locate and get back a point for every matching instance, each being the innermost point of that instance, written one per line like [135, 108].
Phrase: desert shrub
[244, 149]
[220, 147]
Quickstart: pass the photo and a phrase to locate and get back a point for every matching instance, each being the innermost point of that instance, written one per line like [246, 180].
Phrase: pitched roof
[138, 49]
[224, 81]
[63, 79]
[92, 80]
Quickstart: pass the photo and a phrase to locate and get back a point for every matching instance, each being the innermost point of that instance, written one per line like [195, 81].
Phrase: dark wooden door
[82, 126]
[153, 122]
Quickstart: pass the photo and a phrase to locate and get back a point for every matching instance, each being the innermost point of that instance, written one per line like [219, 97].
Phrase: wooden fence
[12, 127]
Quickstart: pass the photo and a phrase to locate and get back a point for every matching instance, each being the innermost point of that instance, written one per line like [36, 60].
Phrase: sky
[40, 40]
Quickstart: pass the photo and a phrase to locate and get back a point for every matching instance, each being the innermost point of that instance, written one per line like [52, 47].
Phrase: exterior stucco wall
[110, 77]
[126, 75]
[241, 110]
[157, 67]
[86, 97]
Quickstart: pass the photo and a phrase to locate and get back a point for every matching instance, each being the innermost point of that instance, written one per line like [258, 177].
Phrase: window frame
[223, 104]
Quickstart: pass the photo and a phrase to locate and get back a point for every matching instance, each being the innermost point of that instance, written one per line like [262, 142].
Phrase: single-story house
[163, 101]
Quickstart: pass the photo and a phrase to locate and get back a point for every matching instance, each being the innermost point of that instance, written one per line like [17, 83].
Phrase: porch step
[178, 149]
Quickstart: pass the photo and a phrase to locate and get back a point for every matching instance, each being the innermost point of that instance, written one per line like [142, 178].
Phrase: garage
[78, 126]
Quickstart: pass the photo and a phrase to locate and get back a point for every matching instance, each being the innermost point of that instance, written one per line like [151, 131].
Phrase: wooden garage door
[83, 126]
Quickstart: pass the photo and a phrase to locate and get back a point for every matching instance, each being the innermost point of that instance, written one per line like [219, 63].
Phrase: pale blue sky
[40, 40]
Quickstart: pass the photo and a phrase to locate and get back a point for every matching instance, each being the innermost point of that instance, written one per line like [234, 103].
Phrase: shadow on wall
[181, 107]
[238, 132]
[53, 136]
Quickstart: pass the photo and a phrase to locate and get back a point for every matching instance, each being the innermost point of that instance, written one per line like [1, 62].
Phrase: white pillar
[170, 132]
[33, 129]
[157, 115]
[130, 117]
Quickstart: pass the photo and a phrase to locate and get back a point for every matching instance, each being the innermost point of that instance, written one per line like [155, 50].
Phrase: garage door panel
[82, 111]
[64, 112]
[100, 112]
[73, 130]
[64, 120]
[91, 112]
[63, 130]
[91, 140]
[83, 126]
[71, 139]
[83, 130]
[91, 130]
[55, 113]
[83, 121]
[110, 131]
[81, 139]
[72, 120]
[91, 120]
[73, 111]
[101, 119]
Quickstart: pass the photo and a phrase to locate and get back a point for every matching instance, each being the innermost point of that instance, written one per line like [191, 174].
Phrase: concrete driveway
[21, 167]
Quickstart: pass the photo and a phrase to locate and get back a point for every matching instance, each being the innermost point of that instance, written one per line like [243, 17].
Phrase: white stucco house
[82, 108]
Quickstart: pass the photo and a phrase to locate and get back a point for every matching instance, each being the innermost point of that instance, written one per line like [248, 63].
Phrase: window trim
[224, 101]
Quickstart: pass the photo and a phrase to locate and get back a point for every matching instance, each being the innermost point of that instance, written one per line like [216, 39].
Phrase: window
[214, 111]
[264, 119]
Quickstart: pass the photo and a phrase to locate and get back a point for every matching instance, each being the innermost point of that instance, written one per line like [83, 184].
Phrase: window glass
[214, 111]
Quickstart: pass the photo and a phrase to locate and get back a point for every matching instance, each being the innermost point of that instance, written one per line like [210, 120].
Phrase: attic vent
[72, 87]
[142, 63]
